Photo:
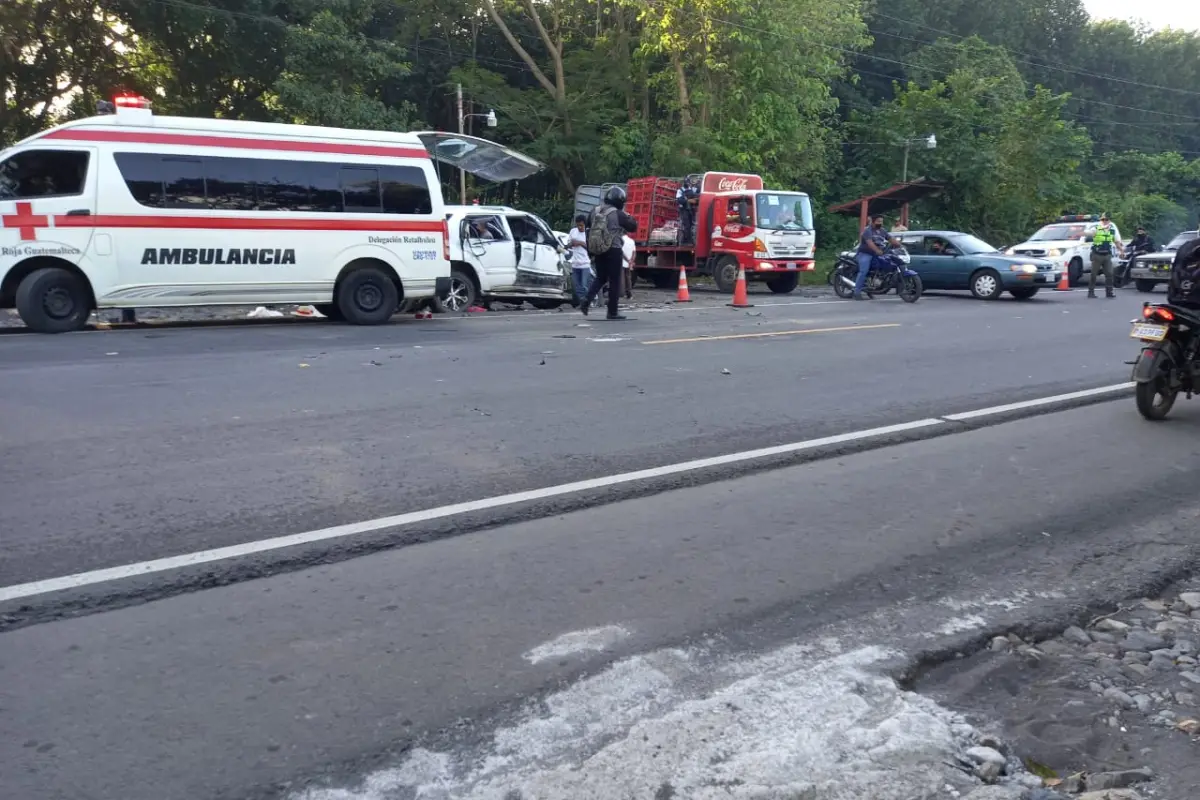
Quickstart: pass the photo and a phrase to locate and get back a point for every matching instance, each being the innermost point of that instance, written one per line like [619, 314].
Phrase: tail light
[1165, 314]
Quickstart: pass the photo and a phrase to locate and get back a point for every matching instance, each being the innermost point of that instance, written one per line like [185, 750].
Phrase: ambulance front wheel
[54, 300]
[367, 296]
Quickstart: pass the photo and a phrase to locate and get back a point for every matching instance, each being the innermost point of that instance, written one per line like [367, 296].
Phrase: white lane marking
[592, 640]
[1041, 401]
[81, 579]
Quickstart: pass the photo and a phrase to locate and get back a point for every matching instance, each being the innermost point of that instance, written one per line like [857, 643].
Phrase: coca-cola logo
[731, 184]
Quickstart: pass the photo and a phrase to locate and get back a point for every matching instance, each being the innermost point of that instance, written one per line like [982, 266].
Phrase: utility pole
[903, 174]
[462, 175]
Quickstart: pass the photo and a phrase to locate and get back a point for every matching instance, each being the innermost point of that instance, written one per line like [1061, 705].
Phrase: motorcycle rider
[871, 243]
[1141, 245]
[1183, 287]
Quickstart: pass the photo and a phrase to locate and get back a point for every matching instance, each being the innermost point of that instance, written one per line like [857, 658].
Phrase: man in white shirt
[629, 253]
[581, 262]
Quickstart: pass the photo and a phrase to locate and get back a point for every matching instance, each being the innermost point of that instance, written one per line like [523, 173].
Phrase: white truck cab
[1066, 243]
[502, 253]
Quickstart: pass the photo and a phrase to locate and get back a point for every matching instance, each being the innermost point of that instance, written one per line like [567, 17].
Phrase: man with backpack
[606, 229]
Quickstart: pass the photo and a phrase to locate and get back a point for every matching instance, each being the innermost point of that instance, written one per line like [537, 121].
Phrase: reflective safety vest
[1103, 240]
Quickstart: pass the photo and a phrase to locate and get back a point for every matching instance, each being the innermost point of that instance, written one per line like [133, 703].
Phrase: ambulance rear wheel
[367, 296]
[54, 300]
[725, 273]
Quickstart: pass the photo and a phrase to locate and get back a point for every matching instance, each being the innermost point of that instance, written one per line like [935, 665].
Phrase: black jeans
[608, 270]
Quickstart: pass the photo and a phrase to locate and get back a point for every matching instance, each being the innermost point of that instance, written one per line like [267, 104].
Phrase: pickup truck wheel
[725, 273]
[53, 300]
[463, 292]
[1075, 271]
[367, 296]
[1144, 285]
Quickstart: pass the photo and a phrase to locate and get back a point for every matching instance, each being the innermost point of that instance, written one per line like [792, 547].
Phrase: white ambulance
[128, 209]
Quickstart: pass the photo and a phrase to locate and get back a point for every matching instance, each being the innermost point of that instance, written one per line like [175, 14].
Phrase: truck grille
[787, 251]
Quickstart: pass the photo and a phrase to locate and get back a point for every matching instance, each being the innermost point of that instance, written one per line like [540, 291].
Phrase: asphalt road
[324, 674]
[122, 446]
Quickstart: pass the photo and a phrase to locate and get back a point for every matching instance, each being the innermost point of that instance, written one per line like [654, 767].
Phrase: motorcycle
[888, 271]
[1167, 364]
[1124, 265]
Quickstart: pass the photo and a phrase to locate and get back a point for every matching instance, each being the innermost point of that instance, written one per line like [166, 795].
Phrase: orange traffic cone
[740, 298]
[1064, 283]
[683, 296]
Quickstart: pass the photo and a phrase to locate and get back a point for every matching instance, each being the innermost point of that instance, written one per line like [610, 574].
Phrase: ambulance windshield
[781, 211]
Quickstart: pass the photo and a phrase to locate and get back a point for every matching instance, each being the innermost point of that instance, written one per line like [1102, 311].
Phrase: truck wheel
[725, 273]
[1142, 285]
[1074, 271]
[663, 279]
[784, 284]
[367, 296]
[54, 300]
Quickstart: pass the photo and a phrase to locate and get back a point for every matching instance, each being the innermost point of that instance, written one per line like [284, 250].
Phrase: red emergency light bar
[1079, 218]
[130, 101]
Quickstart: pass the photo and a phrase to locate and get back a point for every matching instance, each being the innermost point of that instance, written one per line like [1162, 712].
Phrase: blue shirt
[869, 234]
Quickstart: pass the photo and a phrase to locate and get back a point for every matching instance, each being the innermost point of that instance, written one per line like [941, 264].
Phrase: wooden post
[862, 216]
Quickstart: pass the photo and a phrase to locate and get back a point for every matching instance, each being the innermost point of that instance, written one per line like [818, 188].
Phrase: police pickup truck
[1066, 243]
[1151, 269]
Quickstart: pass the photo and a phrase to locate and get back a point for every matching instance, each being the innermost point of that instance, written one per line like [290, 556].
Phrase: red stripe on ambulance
[85, 135]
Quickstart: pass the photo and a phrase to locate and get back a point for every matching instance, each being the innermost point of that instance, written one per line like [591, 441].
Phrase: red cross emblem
[26, 221]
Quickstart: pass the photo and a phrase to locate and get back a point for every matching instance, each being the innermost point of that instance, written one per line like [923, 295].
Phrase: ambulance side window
[183, 180]
[405, 191]
[230, 183]
[43, 173]
[360, 189]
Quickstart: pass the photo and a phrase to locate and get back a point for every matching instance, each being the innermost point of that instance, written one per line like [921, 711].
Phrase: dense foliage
[1037, 110]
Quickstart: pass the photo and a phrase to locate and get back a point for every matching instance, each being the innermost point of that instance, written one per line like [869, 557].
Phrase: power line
[1025, 58]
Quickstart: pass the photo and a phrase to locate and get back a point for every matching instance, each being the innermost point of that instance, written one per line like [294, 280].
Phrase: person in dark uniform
[685, 198]
[611, 264]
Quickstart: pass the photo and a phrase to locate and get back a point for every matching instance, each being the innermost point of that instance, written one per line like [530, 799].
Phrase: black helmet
[615, 197]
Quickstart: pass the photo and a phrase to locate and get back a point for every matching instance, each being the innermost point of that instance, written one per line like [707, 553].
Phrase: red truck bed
[651, 201]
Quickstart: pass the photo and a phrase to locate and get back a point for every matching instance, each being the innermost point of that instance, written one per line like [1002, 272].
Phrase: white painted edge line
[81, 579]
[1041, 401]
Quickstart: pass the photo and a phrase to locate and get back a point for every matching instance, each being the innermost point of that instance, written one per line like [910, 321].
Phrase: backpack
[601, 238]
[1184, 283]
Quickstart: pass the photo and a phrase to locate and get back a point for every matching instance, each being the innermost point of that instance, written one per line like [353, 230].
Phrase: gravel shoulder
[1118, 696]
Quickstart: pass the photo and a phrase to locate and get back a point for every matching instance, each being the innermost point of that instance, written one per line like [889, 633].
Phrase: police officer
[1103, 244]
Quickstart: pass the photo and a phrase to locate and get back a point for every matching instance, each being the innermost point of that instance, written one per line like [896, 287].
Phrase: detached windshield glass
[777, 211]
[1061, 232]
[969, 245]
[1180, 240]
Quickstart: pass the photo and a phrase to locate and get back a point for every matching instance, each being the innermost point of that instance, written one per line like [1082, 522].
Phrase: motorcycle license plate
[1148, 332]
